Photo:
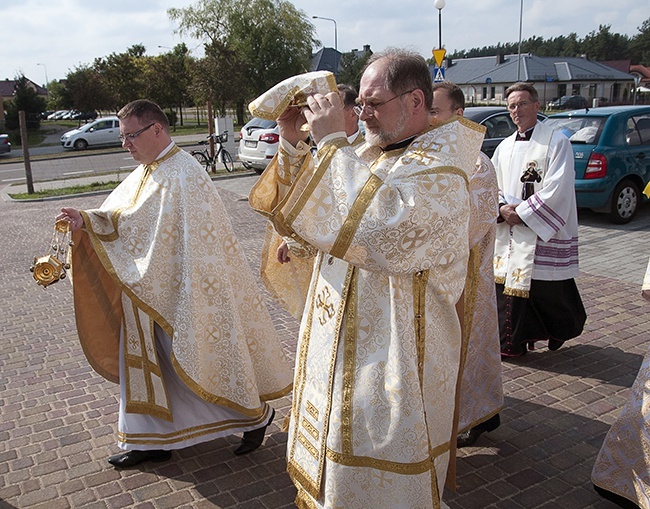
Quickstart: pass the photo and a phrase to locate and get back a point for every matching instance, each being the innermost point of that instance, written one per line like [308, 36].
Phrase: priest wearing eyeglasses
[380, 342]
[166, 305]
[536, 249]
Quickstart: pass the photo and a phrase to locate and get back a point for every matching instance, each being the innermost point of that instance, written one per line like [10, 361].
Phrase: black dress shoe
[469, 437]
[554, 344]
[254, 438]
[133, 458]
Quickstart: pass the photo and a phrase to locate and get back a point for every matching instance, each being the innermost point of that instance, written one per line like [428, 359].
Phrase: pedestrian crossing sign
[439, 74]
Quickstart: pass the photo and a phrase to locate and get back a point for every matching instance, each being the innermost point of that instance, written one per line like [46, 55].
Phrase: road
[52, 162]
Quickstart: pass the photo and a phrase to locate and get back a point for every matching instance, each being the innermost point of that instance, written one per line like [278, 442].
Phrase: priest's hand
[509, 214]
[290, 125]
[324, 114]
[73, 217]
[282, 253]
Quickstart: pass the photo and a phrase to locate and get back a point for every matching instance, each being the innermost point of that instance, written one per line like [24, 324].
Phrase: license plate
[251, 144]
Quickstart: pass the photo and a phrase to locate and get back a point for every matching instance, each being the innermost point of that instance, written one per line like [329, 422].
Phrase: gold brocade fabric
[623, 463]
[481, 394]
[292, 91]
[288, 283]
[161, 249]
[380, 342]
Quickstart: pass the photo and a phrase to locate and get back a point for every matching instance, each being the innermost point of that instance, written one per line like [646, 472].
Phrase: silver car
[258, 144]
[5, 146]
[101, 132]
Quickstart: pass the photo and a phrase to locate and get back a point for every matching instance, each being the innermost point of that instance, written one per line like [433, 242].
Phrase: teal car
[611, 149]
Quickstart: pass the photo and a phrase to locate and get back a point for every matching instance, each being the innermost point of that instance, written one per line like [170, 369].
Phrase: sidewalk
[58, 418]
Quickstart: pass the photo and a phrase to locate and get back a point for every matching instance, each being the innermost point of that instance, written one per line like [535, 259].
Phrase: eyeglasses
[520, 104]
[371, 108]
[134, 135]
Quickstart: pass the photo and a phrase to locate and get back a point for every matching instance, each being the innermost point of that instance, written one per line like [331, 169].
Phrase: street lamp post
[521, 16]
[46, 80]
[336, 44]
[439, 4]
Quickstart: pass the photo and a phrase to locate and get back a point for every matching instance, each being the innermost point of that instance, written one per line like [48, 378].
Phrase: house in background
[326, 59]
[485, 79]
[7, 88]
[329, 59]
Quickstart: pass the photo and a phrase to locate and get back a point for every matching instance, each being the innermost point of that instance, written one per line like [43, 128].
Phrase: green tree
[640, 45]
[253, 44]
[352, 65]
[167, 78]
[25, 99]
[123, 75]
[604, 45]
[87, 90]
[58, 95]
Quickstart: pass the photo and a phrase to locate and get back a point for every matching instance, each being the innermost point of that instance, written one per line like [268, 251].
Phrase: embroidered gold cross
[518, 275]
[498, 262]
[323, 302]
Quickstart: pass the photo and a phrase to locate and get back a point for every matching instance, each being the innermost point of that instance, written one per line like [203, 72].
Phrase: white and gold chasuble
[623, 463]
[380, 341]
[161, 249]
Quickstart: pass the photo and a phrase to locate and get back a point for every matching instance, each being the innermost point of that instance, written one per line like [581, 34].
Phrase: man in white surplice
[536, 249]
[166, 305]
[380, 340]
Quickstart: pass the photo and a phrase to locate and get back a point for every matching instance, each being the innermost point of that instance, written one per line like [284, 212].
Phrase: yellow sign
[439, 56]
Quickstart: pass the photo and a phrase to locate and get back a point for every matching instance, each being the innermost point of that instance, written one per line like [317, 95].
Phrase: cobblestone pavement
[58, 417]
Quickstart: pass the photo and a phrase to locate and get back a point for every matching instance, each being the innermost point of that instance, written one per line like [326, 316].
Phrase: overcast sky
[65, 34]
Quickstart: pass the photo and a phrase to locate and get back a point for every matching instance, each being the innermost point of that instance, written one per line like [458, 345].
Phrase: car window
[637, 130]
[260, 123]
[584, 130]
[104, 124]
[499, 126]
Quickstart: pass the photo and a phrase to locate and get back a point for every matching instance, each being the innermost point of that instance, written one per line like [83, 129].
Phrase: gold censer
[52, 267]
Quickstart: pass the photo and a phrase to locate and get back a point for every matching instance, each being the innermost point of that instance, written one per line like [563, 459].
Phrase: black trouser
[554, 311]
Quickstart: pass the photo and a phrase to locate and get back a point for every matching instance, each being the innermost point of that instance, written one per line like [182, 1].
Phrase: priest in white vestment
[375, 386]
[481, 393]
[621, 472]
[167, 306]
[536, 249]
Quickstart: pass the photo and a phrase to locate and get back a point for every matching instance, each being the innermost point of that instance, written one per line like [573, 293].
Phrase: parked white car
[101, 132]
[258, 144]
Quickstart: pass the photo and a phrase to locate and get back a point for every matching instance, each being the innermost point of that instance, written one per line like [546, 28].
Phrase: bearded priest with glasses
[376, 377]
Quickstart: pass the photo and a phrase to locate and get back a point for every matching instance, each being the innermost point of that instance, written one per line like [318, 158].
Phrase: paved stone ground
[58, 418]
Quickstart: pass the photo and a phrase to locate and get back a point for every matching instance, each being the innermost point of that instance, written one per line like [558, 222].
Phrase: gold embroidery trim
[308, 445]
[516, 292]
[302, 480]
[420, 280]
[115, 215]
[310, 428]
[349, 364]
[147, 366]
[311, 410]
[358, 209]
[191, 432]
[390, 466]
[452, 170]
[325, 155]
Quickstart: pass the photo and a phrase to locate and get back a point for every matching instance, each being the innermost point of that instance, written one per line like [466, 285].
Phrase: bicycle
[203, 156]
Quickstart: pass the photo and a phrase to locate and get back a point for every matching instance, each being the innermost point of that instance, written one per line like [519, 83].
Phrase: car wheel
[80, 145]
[247, 166]
[625, 202]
